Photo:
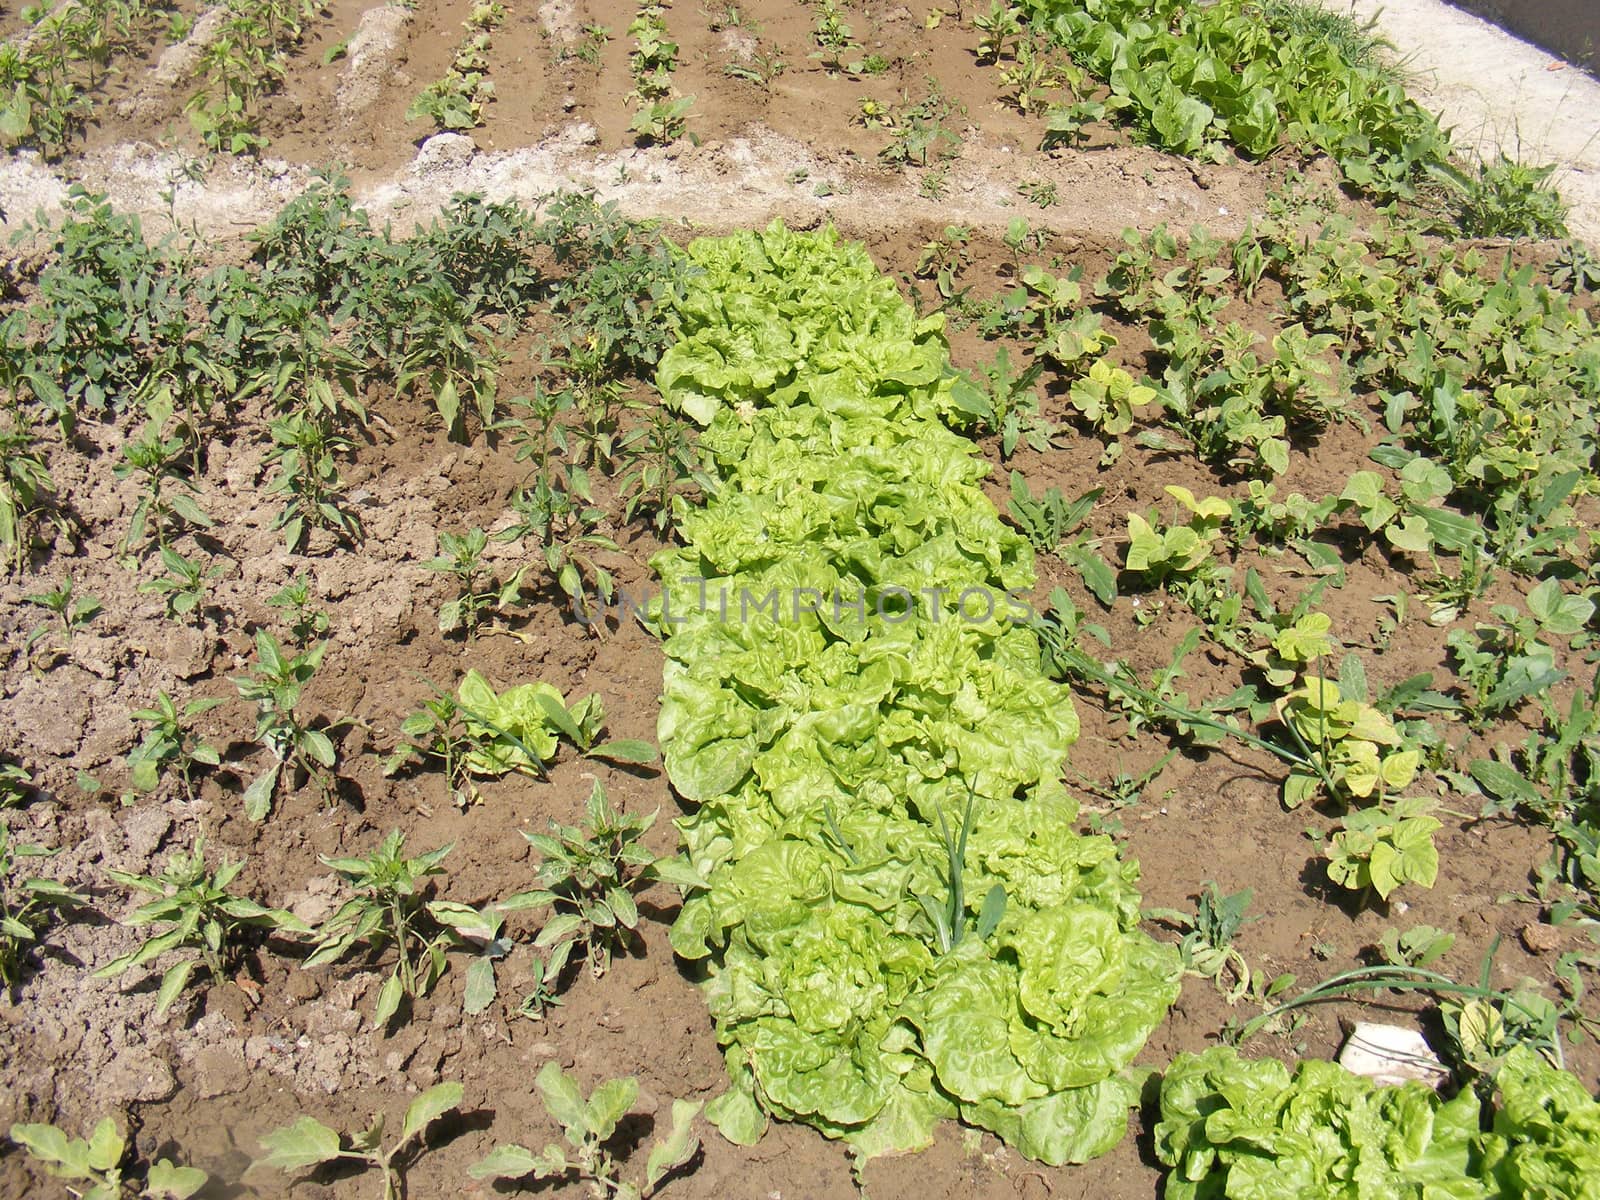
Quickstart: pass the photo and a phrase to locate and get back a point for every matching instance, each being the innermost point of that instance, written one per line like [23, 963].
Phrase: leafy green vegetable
[1232, 1129]
[1248, 1130]
[901, 922]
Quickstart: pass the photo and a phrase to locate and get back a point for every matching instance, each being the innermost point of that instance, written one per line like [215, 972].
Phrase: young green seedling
[478, 591]
[170, 743]
[96, 1164]
[202, 916]
[275, 687]
[389, 909]
[589, 1125]
[183, 587]
[27, 905]
[309, 1143]
[1381, 848]
[588, 877]
[72, 610]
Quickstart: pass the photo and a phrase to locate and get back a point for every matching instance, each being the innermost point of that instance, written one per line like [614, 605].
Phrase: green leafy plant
[70, 609]
[1352, 749]
[438, 730]
[1230, 1126]
[183, 587]
[27, 905]
[1178, 549]
[307, 1142]
[589, 1125]
[1049, 521]
[659, 462]
[203, 919]
[26, 490]
[303, 451]
[1000, 28]
[275, 686]
[389, 909]
[479, 590]
[1509, 661]
[170, 743]
[1502, 198]
[1419, 946]
[1108, 398]
[1384, 846]
[588, 875]
[1575, 269]
[306, 622]
[97, 1164]
[160, 465]
[566, 522]
[1207, 948]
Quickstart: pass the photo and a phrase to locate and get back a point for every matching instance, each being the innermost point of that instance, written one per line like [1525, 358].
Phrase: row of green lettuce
[901, 923]
[1250, 1130]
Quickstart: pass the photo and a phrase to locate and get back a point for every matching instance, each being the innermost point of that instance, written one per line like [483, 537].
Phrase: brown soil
[233, 1061]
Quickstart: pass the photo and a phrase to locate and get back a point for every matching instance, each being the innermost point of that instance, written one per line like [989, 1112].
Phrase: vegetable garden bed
[1049, 649]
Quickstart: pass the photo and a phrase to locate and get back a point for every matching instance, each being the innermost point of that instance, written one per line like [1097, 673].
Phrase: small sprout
[171, 743]
[27, 906]
[589, 1124]
[98, 1164]
[309, 1143]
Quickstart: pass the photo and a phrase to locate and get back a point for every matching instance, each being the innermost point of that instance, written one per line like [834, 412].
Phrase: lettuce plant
[900, 922]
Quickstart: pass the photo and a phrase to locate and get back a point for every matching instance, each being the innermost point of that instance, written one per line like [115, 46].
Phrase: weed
[1503, 198]
[1039, 192]
[202, 917]
[1382, 847]
[1419, 946]
[589, 1125]
[1207, 948]
[1575, 269]
[919, 133]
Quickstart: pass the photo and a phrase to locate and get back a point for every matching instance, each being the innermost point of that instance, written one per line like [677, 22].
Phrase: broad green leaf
[561, 1098]
[172, 983]
[480, 987]
[167, 1181]
[625, 750]
[305, 1143]
[677, 1148]
[388, 1001]
[607, 1104]
[429, 1107]
[258, 796]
